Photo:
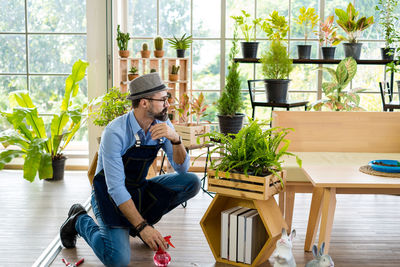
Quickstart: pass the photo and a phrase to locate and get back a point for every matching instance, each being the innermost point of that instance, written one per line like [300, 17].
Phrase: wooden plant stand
[189, 133]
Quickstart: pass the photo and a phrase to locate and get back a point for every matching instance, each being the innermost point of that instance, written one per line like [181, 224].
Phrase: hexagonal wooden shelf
[270, 215]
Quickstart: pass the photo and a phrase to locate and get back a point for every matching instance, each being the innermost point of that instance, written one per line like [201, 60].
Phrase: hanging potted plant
[337, 98]
[145, 52]
[191, 131]
[307, 19]
[276, 66]
[158, 45]
[230, 101]
[250, 46]
[328, 38]
[133, 73]
[122, 41]
[42, 149]
[347, 20]
[180, 44]
[388, 22]
[173, 75]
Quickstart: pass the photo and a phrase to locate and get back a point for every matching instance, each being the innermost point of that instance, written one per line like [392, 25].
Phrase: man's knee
[119, 258]
[193, 182]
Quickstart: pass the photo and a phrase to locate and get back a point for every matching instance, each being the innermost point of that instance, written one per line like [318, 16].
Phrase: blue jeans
[111, 244]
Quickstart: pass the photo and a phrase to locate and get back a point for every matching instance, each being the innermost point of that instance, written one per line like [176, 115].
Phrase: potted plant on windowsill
[328, 38]
[173, 75]
[353, 28]
[250, 154]
[190, 131]
[230, 101]
[388, 22]
[133, 73]
[158, 45]
[180, 44]
[250, 46]
[145, 52]
[337, 98]
[40, 146]
[307, 19]
[122, 41]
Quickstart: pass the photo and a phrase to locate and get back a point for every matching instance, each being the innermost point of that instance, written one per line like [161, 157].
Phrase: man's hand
[153, 238]
[163, 130]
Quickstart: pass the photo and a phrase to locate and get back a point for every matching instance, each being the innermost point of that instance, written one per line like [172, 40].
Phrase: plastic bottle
[161, 257]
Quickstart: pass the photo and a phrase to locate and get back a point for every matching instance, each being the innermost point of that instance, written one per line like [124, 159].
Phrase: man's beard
[162, 116]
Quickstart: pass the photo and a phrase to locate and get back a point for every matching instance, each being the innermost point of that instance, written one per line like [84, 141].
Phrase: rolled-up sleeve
[111, 146]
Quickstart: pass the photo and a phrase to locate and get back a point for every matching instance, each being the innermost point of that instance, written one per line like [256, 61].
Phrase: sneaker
[68, 232]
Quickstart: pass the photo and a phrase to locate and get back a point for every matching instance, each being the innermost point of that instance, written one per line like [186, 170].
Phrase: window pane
[55, 54]
[56, 16]
[369, 76]
[206, 65]
[303, 78]
[12, 15]
[9, 84]
[367, 9]
[206, 20]
[233, 8]
[296, 30]
[12, 54]
[142, 21]
[174, 17]
[47, 92]
[371, 102]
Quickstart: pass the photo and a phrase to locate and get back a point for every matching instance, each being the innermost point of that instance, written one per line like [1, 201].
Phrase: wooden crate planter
[189, 133]
[240, 185]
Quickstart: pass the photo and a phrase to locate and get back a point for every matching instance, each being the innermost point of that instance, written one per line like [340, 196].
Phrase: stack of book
[242, 234]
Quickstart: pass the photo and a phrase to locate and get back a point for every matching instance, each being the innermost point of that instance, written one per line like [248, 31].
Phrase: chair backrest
[317, 131]
[386, 94]
[252, 89]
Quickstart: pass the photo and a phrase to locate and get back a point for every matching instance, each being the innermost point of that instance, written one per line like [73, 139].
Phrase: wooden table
[330, 179]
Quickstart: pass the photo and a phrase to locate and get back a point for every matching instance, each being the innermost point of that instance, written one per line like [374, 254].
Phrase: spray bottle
[161, 257]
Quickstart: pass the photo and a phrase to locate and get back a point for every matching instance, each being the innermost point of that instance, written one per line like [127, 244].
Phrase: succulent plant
[145, 46]
[133, 70]
[122, 39]
[175, 69]
[158, 43]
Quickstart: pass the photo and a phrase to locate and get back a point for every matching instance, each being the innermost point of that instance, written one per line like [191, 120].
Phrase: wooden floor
[366, 229]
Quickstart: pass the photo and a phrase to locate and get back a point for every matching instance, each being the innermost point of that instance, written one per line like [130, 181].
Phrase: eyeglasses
[164, 99]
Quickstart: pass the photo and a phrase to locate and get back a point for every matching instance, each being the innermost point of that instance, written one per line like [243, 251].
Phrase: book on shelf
[241, 242]
[233, 233]
[255, 237]
[225, 230]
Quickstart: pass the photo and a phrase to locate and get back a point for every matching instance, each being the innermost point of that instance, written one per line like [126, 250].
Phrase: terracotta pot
[132, 76]
[173, 77]
[124, 53]
[145, 53]
[158, 53]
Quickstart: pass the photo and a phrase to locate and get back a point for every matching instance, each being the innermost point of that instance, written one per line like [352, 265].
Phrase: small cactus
[158, 43]
[175, 69]
[145, 46]
[153, 70]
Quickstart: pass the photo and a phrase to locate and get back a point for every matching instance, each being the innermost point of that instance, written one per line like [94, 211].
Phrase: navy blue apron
[151, 199]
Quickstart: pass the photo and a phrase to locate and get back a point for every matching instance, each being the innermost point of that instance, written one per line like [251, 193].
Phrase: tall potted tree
[353, 27]
[122, 41]
[307, 19]
[328, 38]
[250, 46]
[388, 22]
[230, 102]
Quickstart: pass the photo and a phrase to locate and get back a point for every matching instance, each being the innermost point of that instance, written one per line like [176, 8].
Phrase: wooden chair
[387, 97]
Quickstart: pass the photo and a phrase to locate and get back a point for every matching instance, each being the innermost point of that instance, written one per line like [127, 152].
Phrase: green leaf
[46, 167]
[12, 137]
[8, 155]
[33, 158]
[71, 83]
[16, 119]
[22, 98]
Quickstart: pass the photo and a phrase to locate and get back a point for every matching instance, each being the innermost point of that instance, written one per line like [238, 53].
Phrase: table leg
[289, 206]
[313, 218]
[328, 212]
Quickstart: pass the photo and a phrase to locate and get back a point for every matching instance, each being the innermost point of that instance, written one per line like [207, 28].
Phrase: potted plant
[250, 46]
[133, 73]
[145, 53]
[276, 66]
[41, 146]
[388, 22]
[251, 152]
[328, 38]
[353, 27]
[158, 45]
[122, 41]
[173, 75]
[153, 70]
[180, 44]
[337, 98]
[230, 101]
[275, 26]
[191, 132]
[307, 19]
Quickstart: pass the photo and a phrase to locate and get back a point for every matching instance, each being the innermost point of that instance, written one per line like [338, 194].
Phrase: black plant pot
[180, 52]
[387, 53]
[249, 49]
[328, 52]
[276, 90]
[304, 51]
[352, 50]
[230, 124]
[58, 169]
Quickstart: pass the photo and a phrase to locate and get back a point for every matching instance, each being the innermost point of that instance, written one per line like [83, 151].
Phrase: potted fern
[307, 19]
[252, 155]
[180, 44]
[173, 75]
[133, 73]
[122, 41]
[328, 38]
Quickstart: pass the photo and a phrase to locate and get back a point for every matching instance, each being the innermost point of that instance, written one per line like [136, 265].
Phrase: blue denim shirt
[118, 136]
